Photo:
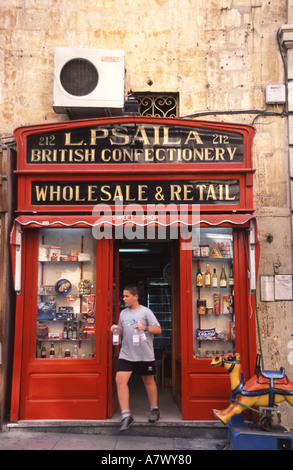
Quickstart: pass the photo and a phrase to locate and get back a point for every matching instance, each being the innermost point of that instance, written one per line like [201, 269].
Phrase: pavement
[19, 439]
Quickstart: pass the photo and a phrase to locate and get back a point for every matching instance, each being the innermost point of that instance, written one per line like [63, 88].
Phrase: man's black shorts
[137, 368]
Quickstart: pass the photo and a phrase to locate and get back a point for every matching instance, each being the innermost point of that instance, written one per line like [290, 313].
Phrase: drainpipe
[286, 43]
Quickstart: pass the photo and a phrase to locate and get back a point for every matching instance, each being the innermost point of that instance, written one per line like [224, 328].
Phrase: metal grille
[79, 77]
[158, 104]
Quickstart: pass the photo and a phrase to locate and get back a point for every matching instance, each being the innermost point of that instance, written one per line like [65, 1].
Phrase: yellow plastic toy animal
[265, 388]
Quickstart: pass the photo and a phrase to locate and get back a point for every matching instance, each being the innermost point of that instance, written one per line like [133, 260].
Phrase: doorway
[152, 266]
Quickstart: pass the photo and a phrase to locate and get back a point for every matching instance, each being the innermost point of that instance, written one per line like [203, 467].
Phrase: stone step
[163, 428]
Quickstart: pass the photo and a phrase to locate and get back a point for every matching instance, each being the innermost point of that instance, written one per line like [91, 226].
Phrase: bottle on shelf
[59, 353]
[223, 277]
[217, 304]
[207, 277]
[43, 352]
[199, 277]
[75, 351]
[70, 332]
[65, 332]
[135, 337]
[115, 337]
[231, 277]
[215, 279]
[52, 351]
[74, 332]
[67, 353]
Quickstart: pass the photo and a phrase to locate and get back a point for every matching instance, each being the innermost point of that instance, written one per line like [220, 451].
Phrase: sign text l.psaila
[139, 143]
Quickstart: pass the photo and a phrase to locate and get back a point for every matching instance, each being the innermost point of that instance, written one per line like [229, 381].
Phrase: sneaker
[126, 423]
[155, 415]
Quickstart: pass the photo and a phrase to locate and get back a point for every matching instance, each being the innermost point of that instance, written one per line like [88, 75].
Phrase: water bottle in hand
[116, 336]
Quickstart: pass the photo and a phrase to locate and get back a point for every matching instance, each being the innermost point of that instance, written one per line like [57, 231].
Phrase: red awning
[146, 219]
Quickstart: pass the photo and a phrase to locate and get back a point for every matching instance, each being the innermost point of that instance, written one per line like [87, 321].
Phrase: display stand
[248, 436]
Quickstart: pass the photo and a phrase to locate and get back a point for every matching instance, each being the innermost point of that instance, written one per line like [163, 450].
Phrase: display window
[66, 294]
[213, 292]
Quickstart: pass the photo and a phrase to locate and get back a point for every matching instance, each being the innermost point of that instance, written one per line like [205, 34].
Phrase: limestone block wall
[219, 55]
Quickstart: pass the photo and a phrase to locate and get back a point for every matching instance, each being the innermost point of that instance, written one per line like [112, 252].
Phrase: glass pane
[66, 294]
[213, 293]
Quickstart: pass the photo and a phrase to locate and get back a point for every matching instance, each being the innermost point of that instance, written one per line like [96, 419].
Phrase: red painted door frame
[113, 315]
[203, 387]
[62, 389]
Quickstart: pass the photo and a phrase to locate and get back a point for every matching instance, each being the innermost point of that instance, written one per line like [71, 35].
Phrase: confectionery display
[213, 293]
[66, 296]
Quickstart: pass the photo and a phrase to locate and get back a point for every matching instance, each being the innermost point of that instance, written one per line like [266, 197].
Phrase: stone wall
[219, 55]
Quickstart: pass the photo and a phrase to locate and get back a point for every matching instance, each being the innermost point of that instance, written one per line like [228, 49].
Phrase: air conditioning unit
[89, 82]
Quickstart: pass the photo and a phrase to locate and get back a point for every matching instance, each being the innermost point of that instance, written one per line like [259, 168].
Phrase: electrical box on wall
[89, 82]
[275, 94]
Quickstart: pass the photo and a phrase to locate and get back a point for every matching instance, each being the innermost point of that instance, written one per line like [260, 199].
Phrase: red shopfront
[154, 201]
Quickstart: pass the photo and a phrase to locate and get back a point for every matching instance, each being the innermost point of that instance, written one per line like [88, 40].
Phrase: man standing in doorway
[137, 327]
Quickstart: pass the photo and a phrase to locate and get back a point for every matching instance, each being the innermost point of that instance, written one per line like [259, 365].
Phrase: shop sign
[140, 192]
[136, 143]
